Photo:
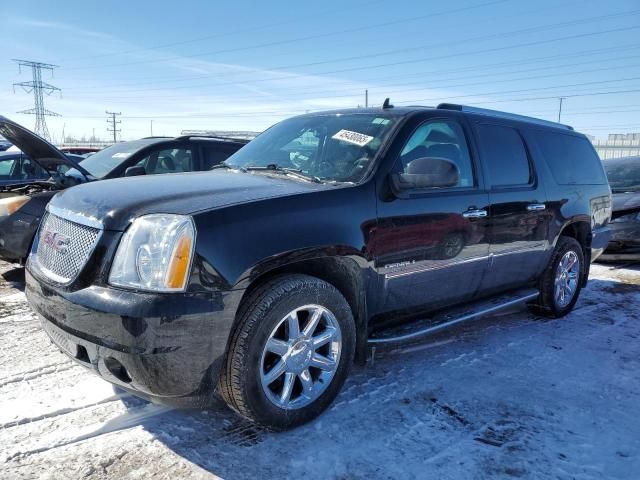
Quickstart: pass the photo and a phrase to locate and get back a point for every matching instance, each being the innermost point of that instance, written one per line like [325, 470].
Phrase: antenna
[386, 104]
[38, 87]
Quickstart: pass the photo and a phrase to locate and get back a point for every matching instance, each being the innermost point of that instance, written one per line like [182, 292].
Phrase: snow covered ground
[510, 396]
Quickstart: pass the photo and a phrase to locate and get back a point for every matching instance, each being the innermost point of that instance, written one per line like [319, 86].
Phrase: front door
[430, 245]
[518, 219]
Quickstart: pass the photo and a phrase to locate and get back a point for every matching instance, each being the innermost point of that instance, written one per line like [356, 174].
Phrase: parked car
[329, 232]
[21, 213]
[4, 145]
[80, 150]
[624, 178]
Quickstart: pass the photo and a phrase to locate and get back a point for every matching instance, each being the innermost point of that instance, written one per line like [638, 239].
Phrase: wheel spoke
[322, 362]
[293, 325]
[277, 346]
[323, 338]
[312, 323]
[571, 260]
[307, 383]
[287, 388]
[277, 370]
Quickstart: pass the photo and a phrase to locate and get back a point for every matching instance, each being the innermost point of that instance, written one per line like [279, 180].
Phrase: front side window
[441, 139]
[171, 160]
[504, 155]
[331, 147]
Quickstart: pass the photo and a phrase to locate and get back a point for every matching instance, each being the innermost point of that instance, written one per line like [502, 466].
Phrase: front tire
[290, 352]
[561, 281]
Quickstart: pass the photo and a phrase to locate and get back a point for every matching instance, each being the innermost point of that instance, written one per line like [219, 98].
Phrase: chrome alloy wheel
[566, 280]
[301, 357]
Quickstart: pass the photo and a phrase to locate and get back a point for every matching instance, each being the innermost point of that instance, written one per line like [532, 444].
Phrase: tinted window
[106, 160]
[572, 159]
[504, 155]
[171, 160]
[623, 174]
[440, 139]
[216, 154]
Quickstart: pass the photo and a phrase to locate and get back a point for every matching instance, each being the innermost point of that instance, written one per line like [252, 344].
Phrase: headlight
[11, 204]
[155, 254]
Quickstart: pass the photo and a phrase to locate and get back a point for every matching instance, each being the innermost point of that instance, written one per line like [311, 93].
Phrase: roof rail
[499, 114]
[214, 137]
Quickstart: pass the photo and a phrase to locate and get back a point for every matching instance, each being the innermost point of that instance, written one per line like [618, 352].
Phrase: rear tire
[561, 282]
[290, 352]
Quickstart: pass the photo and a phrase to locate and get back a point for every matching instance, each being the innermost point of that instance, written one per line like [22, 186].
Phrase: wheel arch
[580, 230]
[347, 273]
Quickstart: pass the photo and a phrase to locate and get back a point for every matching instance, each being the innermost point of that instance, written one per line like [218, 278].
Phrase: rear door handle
[536, 206]
[475, 213]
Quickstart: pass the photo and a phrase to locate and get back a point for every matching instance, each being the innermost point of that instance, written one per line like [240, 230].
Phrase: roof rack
[505, 115]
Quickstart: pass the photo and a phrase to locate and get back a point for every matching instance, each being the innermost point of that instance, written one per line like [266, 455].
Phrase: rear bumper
[599, 241]
[624, 235]
[165, 348]
[16, 235]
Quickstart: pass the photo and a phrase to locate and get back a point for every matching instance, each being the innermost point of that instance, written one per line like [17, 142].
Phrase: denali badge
[56, 241]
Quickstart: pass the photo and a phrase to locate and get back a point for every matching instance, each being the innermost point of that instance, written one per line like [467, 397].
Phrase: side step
[447, 319]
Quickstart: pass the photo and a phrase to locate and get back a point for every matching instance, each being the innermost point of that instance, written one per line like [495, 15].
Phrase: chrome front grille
[63, 247]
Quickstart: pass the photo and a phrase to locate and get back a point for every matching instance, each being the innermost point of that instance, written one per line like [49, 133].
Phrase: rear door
[429, 245]
[518, 216]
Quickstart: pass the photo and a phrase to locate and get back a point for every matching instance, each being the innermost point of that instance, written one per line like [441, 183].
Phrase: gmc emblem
[56, 241]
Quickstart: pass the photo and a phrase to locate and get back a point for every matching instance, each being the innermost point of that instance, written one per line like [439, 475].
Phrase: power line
[300, 39]
[448, 56]
[39, 89]
[113, 123]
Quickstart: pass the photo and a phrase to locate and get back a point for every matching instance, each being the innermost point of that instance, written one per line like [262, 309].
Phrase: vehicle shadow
[13, 276]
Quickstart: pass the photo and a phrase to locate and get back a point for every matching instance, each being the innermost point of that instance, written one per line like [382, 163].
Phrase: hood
[624, 203]
[114, 203]
[37, 148]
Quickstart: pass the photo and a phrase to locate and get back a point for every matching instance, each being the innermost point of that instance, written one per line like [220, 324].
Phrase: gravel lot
[510, 396]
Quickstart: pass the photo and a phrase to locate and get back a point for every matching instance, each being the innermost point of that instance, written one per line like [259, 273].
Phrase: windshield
[103, 162]
[624, 174]
[330, 147]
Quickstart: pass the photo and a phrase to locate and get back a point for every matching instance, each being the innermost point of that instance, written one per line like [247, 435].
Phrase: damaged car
[624, 178]
[23, 202]
[329, 234]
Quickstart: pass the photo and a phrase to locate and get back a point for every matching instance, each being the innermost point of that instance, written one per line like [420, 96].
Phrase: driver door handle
[474, 213]
[536, 206]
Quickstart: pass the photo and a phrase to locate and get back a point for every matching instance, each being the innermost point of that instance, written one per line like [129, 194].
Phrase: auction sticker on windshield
[356, 138]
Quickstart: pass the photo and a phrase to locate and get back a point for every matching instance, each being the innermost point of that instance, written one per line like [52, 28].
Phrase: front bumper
[167, 348]
[624, 235]
[16, 235]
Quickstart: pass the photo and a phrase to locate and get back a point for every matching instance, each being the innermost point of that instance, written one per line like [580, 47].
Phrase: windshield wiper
[294, 172]
[228, 167]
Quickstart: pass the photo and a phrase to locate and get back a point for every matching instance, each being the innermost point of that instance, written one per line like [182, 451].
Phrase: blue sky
[245, 65]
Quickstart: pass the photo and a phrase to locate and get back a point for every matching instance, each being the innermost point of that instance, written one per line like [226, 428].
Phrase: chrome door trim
[426, 268]
[536, 207]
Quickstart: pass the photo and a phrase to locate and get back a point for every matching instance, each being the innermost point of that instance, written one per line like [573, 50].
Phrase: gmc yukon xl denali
[265, 279]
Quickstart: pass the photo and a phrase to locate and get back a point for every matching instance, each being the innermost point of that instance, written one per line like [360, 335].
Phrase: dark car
[624, 178]
[20, 214]
[329, 232]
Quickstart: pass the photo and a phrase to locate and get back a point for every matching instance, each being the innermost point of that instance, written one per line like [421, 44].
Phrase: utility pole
[152, 128]
[112, 128]
[39, 88]
[560, 108]
[366, 99]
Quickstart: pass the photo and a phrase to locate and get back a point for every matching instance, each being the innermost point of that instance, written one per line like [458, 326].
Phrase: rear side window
[572, 160]
[504, 155]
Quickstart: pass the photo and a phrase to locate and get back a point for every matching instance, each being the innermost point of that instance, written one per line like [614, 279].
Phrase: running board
[438, 322]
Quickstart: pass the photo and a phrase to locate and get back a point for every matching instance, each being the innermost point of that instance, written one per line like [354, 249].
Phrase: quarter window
[440, 139]
[504, 155]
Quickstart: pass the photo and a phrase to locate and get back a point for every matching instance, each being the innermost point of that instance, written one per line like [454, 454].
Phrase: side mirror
[135, 171]
[427, 172]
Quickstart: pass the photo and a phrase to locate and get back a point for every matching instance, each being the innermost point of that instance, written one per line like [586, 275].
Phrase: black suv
[23, 203]
[266, 277]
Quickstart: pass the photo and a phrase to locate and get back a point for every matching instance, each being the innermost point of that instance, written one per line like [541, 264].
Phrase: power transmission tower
[113, 123]
[39, 88]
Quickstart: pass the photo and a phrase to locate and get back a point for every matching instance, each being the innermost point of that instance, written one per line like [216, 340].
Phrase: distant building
[221, 133]
[617, 145]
